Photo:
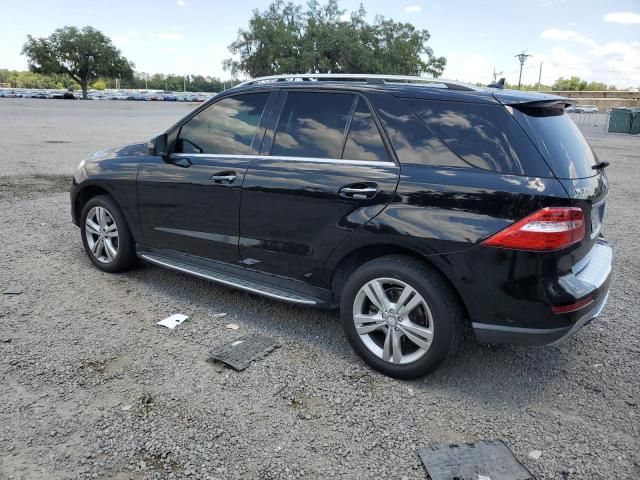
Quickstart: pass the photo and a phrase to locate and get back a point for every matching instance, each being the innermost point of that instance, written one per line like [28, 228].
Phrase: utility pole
[184, 83]
[522, 57]
[540, 76]
[495, 74]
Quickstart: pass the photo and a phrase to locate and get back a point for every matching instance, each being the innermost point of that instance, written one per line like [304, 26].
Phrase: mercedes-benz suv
[416, 206]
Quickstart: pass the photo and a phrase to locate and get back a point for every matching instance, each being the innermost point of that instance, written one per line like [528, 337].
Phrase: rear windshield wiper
[600, 165]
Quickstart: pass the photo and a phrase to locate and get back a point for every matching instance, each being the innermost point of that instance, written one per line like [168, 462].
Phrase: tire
[121, 243]
[434, 320]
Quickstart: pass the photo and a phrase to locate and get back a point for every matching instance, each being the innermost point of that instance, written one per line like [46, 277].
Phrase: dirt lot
[91, 387]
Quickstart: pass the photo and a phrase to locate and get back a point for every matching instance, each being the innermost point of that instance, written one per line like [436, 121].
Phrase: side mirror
[158, 145]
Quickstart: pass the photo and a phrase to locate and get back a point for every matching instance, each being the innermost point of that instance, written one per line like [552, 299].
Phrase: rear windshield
[559, 140]
[485, 136]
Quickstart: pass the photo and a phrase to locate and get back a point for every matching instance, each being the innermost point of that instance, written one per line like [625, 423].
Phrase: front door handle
[223, 177]
[359, 191]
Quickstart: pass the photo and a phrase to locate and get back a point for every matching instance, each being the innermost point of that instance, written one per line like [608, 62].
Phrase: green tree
[83, 54]
[287, 39]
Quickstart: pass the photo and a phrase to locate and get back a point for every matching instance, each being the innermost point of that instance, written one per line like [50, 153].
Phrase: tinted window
[559, 140]
[312, 125]
[486, 136]
[364, 141]
[411, 139]
[226, 127]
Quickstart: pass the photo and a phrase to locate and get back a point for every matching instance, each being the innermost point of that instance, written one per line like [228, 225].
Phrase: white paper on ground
[173, 321]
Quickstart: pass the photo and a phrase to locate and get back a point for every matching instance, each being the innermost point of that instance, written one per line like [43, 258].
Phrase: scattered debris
[597, 365]
[484, 459]
[240, 353]
[126, 407]
[233, 326]
[5, 340]
[411, 392]
[173, 321]
[14, 290]
[219, 315]
[535, 454]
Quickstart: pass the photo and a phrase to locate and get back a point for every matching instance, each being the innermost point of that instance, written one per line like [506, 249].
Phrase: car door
[189, 202]
[324, 171]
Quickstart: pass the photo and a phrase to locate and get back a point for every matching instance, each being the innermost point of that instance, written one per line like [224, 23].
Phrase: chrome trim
[599, 267]
[504, 328]
[225, 282]
[367, 163]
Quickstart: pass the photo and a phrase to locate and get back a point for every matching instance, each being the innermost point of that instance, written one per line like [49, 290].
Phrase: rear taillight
[550, 228]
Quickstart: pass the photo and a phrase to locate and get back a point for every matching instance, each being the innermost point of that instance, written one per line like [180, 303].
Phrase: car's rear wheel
[106, 236]
[400, 316]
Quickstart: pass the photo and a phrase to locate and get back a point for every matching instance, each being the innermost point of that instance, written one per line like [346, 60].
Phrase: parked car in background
[416, 207]
[585, 109]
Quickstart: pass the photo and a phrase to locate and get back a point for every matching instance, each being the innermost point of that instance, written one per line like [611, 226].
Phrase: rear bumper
[486, 333]
[589, 280]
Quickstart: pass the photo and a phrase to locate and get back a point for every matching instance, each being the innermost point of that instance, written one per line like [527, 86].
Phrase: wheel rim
[102, 234]
[393, 320]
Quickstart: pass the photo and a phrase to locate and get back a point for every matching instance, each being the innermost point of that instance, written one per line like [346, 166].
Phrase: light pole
[540, 76]
[522, 57]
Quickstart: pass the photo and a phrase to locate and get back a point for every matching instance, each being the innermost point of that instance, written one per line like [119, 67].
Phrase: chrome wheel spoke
[395, 346]
[413, 303]
[421, 336]
[376, 295]
[92, 227]
[386, 349]
[368, 323]
[113, 234]
[109, 250]
[100, 215]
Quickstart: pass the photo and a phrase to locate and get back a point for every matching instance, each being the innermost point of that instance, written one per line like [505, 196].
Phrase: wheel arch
[351, 261]
[85, 194]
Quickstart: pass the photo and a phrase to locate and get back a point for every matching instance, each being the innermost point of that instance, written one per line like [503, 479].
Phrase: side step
[226, 277]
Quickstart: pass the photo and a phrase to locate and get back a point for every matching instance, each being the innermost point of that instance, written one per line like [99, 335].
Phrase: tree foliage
[83, 54]
[576, 83]
[285, 38]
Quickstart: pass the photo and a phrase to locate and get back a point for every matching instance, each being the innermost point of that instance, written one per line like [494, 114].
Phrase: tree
[287, 39]
[83, 54]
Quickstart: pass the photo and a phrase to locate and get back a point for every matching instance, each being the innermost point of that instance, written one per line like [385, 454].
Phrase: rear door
[324, 171]
[190, 201]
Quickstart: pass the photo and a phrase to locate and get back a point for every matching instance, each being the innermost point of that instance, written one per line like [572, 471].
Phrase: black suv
[415, 206]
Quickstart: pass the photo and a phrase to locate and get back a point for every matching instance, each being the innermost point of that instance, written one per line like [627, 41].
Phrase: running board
[227, 278]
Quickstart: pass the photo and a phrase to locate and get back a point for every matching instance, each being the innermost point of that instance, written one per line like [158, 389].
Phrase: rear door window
[312, 125]
[364, 141]
[226, 127]
[485, 136]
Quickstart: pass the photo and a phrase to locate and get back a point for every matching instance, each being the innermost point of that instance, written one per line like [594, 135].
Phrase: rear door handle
[358, 191]
[223, 177]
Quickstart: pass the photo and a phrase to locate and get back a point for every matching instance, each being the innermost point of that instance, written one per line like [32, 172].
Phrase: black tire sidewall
[125, 256]
[444, 328]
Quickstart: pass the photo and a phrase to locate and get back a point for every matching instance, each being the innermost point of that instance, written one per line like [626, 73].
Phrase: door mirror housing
[158, 145]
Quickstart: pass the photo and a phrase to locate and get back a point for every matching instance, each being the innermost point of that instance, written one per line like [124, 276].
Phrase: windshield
[559, 140]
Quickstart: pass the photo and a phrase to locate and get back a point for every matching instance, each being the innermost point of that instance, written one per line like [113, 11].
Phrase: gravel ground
[93, 388]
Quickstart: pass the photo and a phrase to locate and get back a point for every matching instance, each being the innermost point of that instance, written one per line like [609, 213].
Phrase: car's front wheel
[400, 316]
[106, 236]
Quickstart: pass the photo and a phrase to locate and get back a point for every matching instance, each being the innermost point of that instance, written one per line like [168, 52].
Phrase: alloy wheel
[393, 320]
[102, 234]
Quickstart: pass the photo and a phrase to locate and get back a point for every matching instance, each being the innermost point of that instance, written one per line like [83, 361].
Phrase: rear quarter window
[560, 141]
[485, 136]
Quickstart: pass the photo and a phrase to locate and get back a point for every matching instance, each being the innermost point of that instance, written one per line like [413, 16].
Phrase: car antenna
[499, 84]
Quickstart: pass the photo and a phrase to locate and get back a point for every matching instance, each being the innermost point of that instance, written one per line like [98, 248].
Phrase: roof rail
[360, 77]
